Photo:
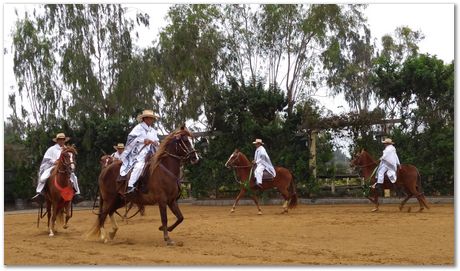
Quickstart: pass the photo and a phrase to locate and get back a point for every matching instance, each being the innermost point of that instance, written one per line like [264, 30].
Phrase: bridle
[181, 146]
[232, 160]
[68, 165]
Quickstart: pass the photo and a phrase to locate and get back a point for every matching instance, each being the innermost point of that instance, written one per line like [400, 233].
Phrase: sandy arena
[308, 235]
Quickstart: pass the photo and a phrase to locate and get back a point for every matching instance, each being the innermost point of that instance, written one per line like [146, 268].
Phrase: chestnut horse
[105, 161]
[283, 181]
[408, 178]
[59, 192]
[161, 185]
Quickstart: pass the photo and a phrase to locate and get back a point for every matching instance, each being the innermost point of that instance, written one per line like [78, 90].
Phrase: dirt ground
[308, 235]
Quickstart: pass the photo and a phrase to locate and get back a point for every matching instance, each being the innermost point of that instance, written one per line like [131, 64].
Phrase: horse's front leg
[53, 222]
[164, 223]
[242, 192]
[174, 207]
[376, 199]
[67, 214]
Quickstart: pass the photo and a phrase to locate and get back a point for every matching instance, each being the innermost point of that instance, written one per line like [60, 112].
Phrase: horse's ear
[182, 127]
[237, 150]
[363, 150]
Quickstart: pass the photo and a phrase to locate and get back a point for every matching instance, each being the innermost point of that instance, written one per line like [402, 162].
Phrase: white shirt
[261, 158]
[389, 157]
[52, 154]
[116, 155]
[134, 147]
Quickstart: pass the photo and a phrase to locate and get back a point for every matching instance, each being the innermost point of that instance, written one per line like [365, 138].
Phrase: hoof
[111, 235]
[421, 210]
[232, 210]
[409, 209]
[375, 210]
[65, 226]
[400, 208]
[259, 213]
[170, 243]
[51, 235]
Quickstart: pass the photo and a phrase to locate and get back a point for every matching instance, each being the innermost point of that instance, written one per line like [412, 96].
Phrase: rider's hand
[147, 141]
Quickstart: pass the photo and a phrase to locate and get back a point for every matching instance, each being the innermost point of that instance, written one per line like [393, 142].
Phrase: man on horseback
[140, 144]
[120, 147]
[389, 163]
[50, 159]
[262, 162]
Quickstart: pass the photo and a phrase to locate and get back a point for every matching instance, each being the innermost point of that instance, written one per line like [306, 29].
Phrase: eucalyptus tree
[68, 59]
[188, 62]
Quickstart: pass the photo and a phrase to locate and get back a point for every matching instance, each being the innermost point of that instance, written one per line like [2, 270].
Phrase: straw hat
[146, 114]
[61, 136]
[388, 141]
[258, 140]
[119, 146]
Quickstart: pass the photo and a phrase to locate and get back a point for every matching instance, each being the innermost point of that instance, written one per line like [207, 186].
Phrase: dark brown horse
[59, 192]
[160, 181]
[283, 181]
[408, 178]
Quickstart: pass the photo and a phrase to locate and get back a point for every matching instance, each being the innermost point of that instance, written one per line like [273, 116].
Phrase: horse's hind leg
[409, 195]
[174, 207]
[164, 223]
[114, 226]
[285, 194]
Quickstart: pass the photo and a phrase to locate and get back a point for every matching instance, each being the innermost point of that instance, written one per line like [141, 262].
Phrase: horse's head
[67, 159]
[105, 160]
[181, 146]
[362, 159]
[237, 159]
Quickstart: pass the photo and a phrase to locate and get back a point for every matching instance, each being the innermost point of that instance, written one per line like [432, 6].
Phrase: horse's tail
[420, 189]
[292, 193]
[95, 231]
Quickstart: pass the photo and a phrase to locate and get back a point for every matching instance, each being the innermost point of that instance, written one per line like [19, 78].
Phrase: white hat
[388, 141]
[146, 114]
[258, 140]
[61, 136]
[119, 146]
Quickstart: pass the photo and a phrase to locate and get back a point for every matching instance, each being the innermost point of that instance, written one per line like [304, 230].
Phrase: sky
[435, 21]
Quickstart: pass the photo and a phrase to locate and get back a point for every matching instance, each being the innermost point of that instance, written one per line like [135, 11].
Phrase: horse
[60, 192]
[104, 162]
[160, 182]
[283, 180]
[408, 177]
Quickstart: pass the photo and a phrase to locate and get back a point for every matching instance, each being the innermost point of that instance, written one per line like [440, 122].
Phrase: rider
[50, 159]
[262, 161]
[141, 141]
[120, 147]
[389, 163]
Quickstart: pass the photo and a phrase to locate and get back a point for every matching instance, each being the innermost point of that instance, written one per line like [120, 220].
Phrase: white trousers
[258, 173]
[137, 170]
[46, 174]
[381, 174]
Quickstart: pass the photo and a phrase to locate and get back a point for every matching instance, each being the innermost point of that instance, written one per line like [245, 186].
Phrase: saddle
[141, 183]
[267, 177]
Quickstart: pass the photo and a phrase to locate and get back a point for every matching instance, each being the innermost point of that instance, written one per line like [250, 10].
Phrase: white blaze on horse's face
[197, 158]
[229, 159]
[72, 164]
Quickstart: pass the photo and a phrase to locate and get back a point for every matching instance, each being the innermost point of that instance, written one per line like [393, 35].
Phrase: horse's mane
[161, 152]
[368, 156]
[244, 157]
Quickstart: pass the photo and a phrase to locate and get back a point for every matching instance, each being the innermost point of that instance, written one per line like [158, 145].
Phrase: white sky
[436, 21]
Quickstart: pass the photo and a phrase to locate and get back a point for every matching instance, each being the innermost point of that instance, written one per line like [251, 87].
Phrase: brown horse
[105, 161]
[160, 184]
[408, 178]
[59, 192]
[283, 181]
